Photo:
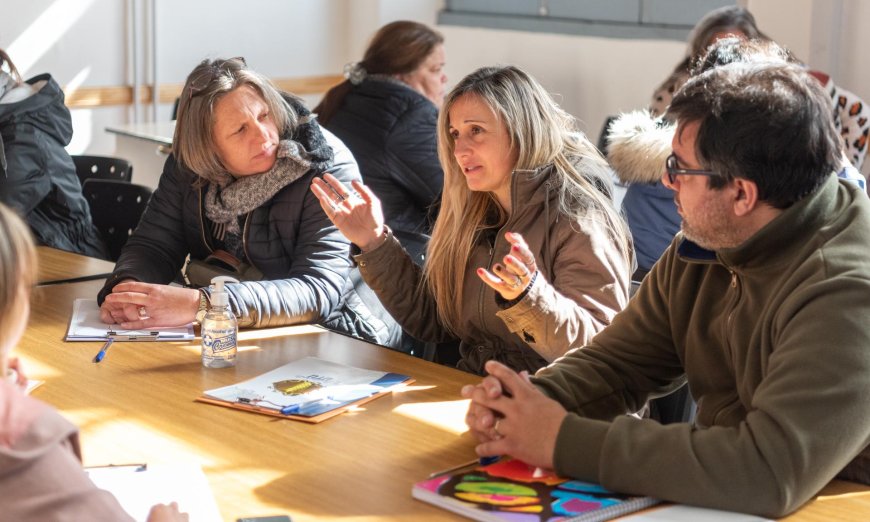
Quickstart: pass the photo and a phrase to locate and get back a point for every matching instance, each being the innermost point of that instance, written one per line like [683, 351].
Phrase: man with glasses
[761, 303]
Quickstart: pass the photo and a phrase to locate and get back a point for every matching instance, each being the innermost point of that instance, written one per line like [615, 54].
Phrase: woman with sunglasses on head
[41, 473]
[528, 257]
[234, 197]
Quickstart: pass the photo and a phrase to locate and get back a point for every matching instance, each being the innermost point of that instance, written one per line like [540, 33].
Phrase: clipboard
[337, 388]
[85, 325]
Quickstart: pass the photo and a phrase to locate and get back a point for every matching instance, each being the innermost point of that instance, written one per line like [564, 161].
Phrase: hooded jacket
[37, 177]
[41, 473]
[773, 339]
[637, 147]
[391, 130]
[582, 283]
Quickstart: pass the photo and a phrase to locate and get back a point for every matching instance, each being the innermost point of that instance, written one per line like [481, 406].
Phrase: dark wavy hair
[768, 122]
[397, 48]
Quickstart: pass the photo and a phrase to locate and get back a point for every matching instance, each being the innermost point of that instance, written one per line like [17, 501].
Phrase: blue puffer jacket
[304, 258]
[390, 128]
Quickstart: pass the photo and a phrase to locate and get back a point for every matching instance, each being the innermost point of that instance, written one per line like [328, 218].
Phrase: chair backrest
[102, 167]
[415, 244]
[116, 207]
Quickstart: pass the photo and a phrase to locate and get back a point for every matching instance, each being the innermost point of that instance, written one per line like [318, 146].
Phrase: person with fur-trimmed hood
[639, 143]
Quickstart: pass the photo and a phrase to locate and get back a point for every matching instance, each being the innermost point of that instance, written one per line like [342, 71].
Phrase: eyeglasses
[673, 170]
[207, 75]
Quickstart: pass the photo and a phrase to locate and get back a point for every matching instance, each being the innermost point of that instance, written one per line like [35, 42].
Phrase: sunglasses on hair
[673, 170]
[198, 84]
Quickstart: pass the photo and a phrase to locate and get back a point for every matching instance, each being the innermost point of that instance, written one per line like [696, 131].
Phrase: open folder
[85, 325]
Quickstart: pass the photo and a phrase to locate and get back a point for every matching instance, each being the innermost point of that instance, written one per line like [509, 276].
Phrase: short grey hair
[193, 143]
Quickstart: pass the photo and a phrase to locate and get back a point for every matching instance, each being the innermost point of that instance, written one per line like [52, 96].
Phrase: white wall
[85, 42]
[591, 77]
[80, 42]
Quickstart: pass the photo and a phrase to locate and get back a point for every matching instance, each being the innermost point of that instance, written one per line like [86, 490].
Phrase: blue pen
[294, 409]
[99, 357]
[486, 461]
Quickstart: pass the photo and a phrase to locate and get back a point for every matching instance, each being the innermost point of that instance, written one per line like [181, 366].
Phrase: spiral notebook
[511, 490]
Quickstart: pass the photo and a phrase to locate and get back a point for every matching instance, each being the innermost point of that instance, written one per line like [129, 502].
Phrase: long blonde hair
[17, 272]
[541, 133]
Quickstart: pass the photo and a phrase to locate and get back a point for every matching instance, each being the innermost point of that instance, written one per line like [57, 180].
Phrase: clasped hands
[510, 416]
[357, 214]
[135, 306]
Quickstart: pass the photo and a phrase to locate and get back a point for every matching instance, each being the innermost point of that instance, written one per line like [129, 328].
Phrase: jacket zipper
[500, 234]
[202, 224]
[730, 321]
[245, 239]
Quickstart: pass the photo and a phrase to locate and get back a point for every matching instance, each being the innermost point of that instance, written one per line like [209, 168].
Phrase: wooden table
[60, 266]
[138, 406]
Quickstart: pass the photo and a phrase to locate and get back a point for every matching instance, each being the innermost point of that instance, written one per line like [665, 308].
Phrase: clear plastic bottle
[219, 328]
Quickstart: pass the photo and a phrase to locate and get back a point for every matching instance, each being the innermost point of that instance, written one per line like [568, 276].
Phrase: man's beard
[712, 228]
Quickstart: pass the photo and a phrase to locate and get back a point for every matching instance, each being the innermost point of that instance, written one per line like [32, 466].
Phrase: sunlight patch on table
[449, 415]
[111, 440]
[284, 331]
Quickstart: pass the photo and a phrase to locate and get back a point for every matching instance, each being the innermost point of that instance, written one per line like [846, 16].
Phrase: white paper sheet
[138, 489]
[86, 325]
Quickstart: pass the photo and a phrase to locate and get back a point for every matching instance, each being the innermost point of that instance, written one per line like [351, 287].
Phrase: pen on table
[102, 353]
[482, 461]
[298, 407]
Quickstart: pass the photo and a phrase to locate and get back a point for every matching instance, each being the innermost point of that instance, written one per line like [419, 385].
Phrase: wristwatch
[203, 306]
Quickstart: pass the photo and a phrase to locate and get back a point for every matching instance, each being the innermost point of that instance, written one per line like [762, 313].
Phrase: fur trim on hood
[638, 145]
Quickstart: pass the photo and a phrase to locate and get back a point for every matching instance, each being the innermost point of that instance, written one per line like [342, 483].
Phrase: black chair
[102, 167]
[116, 207]
[415, 244]
[675, 407]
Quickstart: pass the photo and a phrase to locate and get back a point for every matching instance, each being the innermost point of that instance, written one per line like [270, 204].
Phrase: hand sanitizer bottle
[219, 328]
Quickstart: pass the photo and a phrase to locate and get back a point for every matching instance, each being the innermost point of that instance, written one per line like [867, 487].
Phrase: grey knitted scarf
[305, 149]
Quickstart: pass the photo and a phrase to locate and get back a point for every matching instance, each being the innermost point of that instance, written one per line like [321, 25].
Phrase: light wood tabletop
[138, 406]
[59, 266]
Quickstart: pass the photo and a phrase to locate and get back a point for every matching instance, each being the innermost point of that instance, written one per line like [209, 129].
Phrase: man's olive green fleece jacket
[774, 339]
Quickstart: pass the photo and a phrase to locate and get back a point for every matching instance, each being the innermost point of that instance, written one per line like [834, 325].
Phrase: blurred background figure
[850, 113]
[386, 114]
[41, 473]
[37, 176]
[639, 142]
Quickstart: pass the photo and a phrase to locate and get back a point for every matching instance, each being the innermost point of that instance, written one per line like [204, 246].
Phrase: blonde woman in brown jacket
[528, 257]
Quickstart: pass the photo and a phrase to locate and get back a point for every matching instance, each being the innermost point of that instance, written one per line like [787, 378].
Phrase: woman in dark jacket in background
[235, 192]
[386, 113]
[37, 176]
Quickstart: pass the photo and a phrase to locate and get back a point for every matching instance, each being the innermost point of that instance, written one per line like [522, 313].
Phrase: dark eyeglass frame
[673, 171]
